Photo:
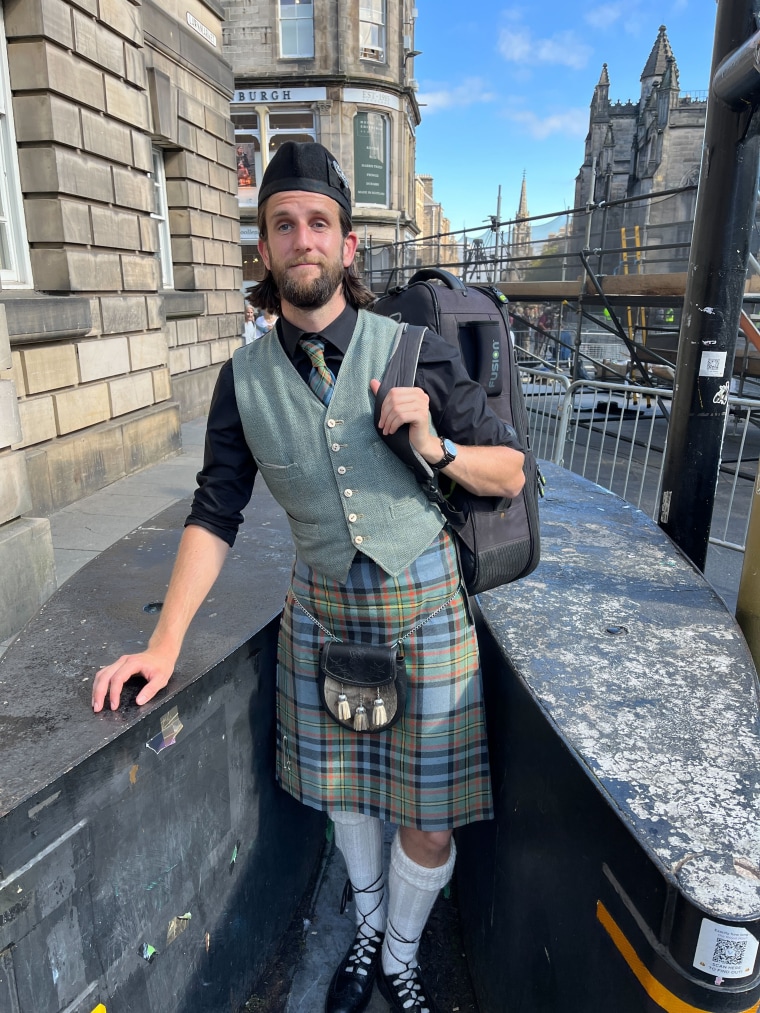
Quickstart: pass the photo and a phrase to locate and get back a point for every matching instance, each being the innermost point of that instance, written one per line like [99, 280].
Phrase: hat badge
[340, 173]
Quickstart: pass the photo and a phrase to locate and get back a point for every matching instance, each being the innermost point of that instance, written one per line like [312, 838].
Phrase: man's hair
[267, 296]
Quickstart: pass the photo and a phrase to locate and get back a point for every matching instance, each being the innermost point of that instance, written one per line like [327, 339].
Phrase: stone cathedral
[641, 147]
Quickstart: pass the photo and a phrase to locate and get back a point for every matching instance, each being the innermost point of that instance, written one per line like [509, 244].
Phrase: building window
[252, 159]
[248, 157]
[15, 266]
[296, 28]
[372, 30]
[371, 164]
[160, 214]
[296, 125]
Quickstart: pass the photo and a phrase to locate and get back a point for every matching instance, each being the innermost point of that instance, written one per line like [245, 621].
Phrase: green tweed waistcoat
[343, 490]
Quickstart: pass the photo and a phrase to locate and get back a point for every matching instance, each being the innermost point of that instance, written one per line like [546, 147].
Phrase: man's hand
[109, 681]
[485, 471]
[409, 405]
[199, 562]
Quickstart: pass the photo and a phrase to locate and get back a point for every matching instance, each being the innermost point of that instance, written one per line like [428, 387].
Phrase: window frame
[19, 274]
[375, 53]
[161, 217]
[307, 20]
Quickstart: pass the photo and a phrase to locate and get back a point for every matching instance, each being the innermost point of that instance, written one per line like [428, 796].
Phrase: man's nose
[302, 237]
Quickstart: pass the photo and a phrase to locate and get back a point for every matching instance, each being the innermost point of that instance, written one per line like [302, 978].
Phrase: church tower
[521, 229]
[638, 147]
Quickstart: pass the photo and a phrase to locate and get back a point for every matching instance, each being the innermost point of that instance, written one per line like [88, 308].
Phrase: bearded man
[374, 564]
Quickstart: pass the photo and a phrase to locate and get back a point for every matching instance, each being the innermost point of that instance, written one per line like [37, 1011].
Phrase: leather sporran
[362, 686]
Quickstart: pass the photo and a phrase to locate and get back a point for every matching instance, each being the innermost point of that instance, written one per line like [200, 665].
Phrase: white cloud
[519, 45]
[472, 91]
[570, 123]
[605, 15]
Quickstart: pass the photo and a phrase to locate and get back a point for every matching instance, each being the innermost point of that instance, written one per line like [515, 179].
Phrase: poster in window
[245, 159]
[370, 159]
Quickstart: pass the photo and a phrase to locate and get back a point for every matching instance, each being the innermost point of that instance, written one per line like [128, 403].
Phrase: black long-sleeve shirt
[457, 407]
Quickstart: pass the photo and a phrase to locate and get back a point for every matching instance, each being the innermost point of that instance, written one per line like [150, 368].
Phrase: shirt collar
[338, 333]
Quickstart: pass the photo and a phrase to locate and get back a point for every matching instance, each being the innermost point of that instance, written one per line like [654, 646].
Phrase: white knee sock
[360, 841]
[412, 891]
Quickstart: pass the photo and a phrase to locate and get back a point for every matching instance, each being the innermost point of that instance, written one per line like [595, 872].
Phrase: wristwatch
[449, 453]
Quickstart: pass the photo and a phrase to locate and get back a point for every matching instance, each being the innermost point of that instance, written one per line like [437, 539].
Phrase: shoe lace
[410, 991]
[363, 953]
[407, 983]
[367, 937]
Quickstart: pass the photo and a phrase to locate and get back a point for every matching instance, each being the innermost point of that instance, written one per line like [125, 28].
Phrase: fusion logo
[495, 364]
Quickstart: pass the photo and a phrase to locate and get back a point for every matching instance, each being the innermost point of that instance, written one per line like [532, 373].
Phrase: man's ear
[350, 244]
[262, 245]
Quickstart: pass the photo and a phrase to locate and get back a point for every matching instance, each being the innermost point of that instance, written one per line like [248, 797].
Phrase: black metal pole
[714, 290]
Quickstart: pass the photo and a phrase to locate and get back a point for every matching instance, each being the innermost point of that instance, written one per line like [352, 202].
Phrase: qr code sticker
[730, 952]
[725, 950]
[712, 363]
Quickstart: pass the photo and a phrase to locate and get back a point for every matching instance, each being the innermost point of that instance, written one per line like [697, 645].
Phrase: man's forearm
[200, 558]
[487, 471]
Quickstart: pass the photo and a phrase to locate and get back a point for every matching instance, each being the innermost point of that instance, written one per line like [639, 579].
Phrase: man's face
[305, 249]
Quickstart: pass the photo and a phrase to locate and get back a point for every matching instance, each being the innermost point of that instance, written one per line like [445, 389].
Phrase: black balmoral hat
[306, 166]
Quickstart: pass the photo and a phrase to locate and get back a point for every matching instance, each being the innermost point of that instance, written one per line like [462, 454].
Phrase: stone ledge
[46, 318]
[184, 304]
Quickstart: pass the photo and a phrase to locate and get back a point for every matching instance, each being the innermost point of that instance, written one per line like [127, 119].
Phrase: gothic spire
[522, 211]
[657, 63]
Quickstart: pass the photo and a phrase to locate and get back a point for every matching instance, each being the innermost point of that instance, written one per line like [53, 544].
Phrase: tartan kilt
[430, 770]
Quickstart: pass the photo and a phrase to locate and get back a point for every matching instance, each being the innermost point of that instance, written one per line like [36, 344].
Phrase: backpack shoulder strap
[400, 372]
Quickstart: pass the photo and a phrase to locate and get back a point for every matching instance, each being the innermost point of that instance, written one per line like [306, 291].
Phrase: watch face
[449, 447]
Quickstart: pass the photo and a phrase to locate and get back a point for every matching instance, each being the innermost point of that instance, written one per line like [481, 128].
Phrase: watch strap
[446, 459]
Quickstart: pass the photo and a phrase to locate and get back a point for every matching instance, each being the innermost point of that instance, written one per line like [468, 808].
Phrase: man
[373, 560]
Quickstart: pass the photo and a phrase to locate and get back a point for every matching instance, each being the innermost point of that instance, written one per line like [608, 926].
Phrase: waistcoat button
[335, 448]
[358, 540]
[341, 470]
[331, 423]
[351, 518]
[348, 493]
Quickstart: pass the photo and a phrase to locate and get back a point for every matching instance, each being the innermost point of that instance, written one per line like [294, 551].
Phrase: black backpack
[498, 540]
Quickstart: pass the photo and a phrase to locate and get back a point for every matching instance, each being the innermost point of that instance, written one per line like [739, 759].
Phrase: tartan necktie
[321, 378]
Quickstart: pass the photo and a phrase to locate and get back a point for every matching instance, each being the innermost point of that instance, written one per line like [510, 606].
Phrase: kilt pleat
[430, 770]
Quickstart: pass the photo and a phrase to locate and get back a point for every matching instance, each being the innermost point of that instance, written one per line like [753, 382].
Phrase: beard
[309, 294]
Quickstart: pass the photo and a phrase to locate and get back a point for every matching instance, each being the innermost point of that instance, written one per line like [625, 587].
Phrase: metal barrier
[615, 434]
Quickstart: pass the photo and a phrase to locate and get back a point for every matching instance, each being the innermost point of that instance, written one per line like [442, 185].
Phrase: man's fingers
[109, 681]
[149, 690]
[402, 405]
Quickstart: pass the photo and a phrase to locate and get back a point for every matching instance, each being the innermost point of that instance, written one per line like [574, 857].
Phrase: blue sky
[507, 88]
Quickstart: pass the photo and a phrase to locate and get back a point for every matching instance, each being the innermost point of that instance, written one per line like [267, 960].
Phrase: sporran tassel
[344, 711]
[379, 714]
[360, 719]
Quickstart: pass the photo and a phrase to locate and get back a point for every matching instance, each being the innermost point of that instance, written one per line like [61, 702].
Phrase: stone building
[339, 72]
[435, 245]
[640, 147]
[120, 260]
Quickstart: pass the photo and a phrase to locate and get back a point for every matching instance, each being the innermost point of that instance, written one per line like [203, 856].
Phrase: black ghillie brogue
[405, 992]
[351, 987]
